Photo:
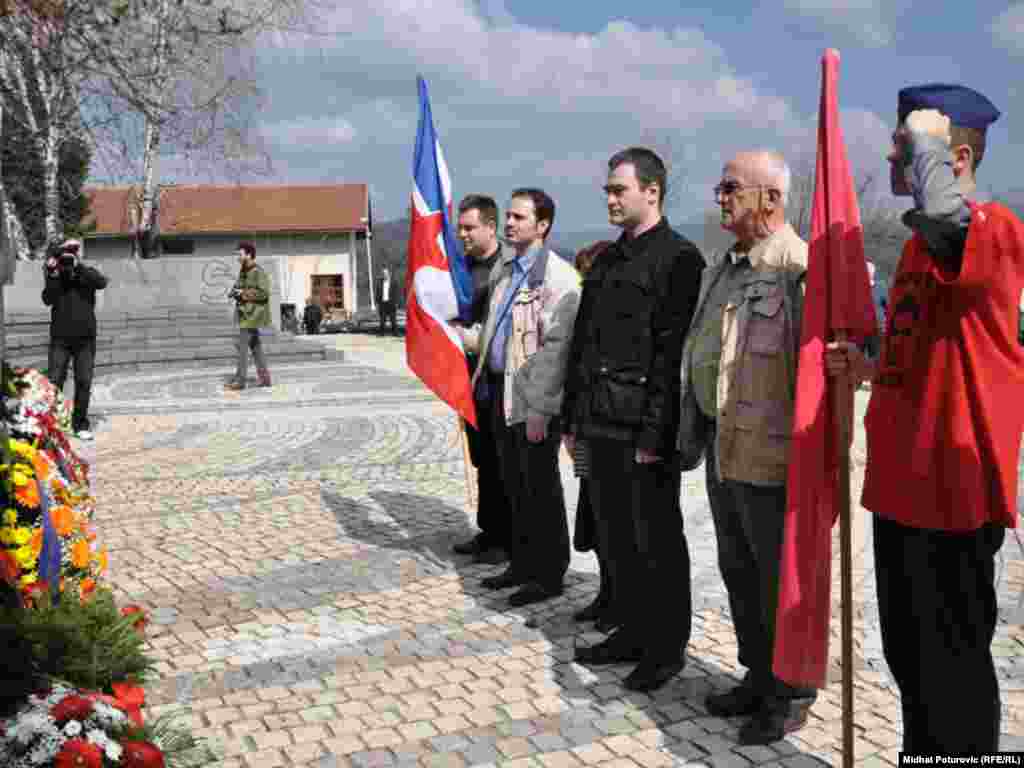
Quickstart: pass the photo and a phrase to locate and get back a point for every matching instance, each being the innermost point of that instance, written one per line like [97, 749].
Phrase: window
[177, 246]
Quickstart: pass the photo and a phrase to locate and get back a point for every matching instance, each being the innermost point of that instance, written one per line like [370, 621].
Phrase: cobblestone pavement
[293, 545]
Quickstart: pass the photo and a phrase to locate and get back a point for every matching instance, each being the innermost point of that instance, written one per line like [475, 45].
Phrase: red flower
[140, 616]
[78, 753]
[71, 708]
[130, 700]
[141, 754]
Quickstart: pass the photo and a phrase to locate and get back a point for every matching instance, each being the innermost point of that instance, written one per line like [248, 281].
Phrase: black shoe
[606, 624]
[591, 613]
[614, 650]
[534, 593]
[741, 700]
[473, 546]
[650, 677]
[492, 556]
[771, 724]
[504, 580]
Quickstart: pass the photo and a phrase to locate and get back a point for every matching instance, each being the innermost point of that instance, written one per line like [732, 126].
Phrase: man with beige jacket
[738, 389]
[523, 350]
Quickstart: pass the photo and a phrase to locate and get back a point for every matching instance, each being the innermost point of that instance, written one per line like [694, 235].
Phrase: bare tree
[181, 85]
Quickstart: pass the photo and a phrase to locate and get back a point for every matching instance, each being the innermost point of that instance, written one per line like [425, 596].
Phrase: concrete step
[154, 337]
[214, 353]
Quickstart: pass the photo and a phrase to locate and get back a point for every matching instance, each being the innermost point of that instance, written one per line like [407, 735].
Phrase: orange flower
[41, 466]
[102, 560]
[37, 541]
[63, 520]
[27, 495]
[88, 586]
[80, 554]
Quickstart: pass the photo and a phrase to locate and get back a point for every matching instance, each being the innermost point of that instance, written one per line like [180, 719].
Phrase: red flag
[838, 299]
[438, 285]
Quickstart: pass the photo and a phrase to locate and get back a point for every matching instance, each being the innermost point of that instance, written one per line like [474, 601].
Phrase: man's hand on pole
[536, 427]
[844, 358]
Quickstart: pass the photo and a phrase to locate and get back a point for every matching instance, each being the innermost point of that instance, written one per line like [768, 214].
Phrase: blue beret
[963, 106]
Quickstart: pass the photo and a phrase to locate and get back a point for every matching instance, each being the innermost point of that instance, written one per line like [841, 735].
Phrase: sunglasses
[730, 188]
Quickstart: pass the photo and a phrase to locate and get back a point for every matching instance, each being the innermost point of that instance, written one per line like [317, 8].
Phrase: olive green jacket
[253, 307]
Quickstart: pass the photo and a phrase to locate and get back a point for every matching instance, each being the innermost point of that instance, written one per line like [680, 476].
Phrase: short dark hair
[587, 256]
[543, 205]
[249, 248]
[649, 168]
[484, 204]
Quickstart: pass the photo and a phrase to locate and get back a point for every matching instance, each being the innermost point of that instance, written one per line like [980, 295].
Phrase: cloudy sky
[541, 92]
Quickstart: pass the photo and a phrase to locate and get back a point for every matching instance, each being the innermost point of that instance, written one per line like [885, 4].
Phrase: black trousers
[938, 610]
[492, 509]
[388, 312]
[538, 543]
[83, 351]
[639, 529]
[749, 521]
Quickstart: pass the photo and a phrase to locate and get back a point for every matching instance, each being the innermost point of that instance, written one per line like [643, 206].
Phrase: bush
[88, 644]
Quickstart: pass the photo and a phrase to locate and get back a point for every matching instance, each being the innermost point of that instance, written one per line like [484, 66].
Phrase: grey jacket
[542, 315]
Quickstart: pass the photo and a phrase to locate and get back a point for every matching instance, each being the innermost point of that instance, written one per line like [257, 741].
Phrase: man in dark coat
[621, 396]
[311, 316]
[70, 292]
[478, 231]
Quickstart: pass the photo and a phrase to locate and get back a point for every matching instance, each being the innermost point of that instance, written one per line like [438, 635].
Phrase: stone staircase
[178, 337]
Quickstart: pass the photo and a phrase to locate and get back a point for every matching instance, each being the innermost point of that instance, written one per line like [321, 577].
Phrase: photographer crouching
[70, 292]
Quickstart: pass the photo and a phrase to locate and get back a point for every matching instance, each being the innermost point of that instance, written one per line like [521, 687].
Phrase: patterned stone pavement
[294, 548]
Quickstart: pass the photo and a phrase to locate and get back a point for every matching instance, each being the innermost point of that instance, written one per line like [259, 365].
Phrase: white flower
[113, 751]
[73, 728]
[98, 737]
[108, 715]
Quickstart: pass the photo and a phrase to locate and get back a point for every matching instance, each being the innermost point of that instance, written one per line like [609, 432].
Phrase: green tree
[23, 179]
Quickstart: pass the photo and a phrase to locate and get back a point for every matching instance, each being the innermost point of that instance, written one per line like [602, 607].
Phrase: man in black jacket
[622, 397]
[70, 292]
[478, 231]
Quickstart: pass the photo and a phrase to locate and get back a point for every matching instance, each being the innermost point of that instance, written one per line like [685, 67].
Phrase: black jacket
[623, 375]
[312, 315]
[480, 271]
[72, 301]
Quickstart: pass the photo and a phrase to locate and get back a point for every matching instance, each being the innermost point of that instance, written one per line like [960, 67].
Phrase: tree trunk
[148, 217]
[51, 167]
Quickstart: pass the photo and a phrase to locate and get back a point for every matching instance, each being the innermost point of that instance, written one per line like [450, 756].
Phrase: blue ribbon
[50, 556]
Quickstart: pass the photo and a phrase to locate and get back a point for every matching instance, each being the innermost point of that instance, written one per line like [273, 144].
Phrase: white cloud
[1008, 29]
[869, 22]
[311, 130]
[515, 104]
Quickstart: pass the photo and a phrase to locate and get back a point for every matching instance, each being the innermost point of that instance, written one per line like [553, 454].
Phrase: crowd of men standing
[646, 362]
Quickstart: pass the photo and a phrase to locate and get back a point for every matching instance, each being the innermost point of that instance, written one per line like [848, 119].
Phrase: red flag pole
[842, 400]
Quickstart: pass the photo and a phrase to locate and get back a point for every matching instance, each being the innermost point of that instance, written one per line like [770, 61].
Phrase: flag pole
[842, 399]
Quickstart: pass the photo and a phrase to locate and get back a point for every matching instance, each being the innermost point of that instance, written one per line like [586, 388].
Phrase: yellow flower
[20, 477]
[102, 560]
[25, 557]
[10, 517]
[22, 449]
[29, 578]
[21, 536]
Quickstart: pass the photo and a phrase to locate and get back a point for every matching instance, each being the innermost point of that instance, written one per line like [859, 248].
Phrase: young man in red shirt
[944, 424]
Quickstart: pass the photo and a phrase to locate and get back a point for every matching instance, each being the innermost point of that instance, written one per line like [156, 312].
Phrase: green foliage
[23, 179]
[84, 644]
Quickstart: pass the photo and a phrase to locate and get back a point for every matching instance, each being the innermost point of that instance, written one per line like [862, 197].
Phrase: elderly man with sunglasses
[738, 387]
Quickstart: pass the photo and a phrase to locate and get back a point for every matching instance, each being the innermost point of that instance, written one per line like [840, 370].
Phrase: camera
[62, 258]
